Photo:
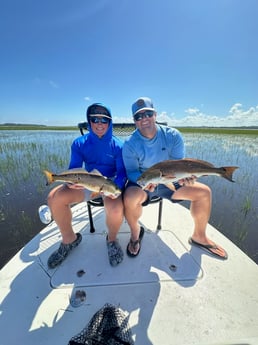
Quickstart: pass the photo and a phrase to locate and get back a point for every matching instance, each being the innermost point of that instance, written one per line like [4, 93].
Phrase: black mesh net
[119, 129]
[108, 326]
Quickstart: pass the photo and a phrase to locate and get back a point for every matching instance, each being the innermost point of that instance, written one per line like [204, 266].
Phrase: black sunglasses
[95, 119]
[146, 113]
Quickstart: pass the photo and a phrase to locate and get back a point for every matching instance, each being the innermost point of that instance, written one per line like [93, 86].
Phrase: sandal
[62, 252]
[134, 244]
[115, 253]
[210, 248]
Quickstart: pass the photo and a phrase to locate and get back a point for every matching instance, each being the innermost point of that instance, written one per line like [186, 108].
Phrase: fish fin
[49, 177]
[228, 173]
[74, 171]
[95, 172]
[94, 195]
[156, 172]
[198, 161]
[171, 186]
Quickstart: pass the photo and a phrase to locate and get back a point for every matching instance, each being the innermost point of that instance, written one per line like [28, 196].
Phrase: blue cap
[98, 109]
[142, 103]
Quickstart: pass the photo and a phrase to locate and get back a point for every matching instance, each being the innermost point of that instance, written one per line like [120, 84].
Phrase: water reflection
[24, 154]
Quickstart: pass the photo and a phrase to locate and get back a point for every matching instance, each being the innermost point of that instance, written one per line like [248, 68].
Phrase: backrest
[119, 129]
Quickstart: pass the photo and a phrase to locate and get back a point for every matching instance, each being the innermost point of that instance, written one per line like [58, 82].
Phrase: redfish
[169, 171]
[93, 181]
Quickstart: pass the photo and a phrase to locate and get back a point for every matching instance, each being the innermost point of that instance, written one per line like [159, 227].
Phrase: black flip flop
[134, 243]
[207, 248]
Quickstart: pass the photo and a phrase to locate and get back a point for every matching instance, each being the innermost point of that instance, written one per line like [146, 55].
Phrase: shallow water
[24, 154]
[235, 205]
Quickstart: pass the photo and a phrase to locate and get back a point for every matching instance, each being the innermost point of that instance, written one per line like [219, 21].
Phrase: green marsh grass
[23, 157]
[235, 205]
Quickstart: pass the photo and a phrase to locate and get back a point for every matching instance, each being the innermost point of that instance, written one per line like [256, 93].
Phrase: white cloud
[87, 98]
[237, 116]
[194, 117]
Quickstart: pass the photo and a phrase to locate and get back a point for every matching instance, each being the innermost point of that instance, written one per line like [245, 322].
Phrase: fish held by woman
[93, 181]
[169, 171]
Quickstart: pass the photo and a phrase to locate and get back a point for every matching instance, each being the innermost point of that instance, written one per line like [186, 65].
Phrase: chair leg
[160, 215]
[92, 229]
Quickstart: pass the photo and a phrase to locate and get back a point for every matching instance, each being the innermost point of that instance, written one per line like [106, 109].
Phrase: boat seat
[98, 202]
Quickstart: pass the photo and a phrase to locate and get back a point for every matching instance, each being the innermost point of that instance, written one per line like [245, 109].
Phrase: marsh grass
[247, 205]
[235, 205]
[23, 157]
[25, 154]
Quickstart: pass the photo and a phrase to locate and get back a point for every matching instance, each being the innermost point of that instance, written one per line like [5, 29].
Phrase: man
[102, 151]
[150, 144]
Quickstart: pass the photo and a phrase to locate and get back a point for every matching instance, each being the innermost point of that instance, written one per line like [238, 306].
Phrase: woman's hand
[150, 187]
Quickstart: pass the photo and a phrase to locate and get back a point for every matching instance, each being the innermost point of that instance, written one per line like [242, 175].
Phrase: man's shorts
[161, 191]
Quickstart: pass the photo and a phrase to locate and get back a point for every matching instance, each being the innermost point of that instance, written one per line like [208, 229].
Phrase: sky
[196, 59]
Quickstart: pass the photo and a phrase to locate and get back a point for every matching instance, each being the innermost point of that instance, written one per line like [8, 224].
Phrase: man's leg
[133, 199]
[200, 196]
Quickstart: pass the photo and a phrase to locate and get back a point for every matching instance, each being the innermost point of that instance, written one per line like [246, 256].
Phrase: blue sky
[197, 60]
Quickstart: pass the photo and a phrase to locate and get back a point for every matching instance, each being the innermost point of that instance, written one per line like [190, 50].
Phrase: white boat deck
[174, 293]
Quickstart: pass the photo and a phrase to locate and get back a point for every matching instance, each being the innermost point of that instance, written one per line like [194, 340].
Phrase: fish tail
[228, 173]
[49, 177]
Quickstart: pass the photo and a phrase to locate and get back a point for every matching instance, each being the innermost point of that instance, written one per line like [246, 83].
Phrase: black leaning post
[82, 127]
[92, 229]
[160, 214]
[97, 203]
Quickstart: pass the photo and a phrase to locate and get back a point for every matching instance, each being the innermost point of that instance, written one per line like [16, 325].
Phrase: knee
[129, 198]
[118, 210]
[206, 192]
[54, 196]
[126, 199]
[133, 197]
[114, 209]
[51, 199]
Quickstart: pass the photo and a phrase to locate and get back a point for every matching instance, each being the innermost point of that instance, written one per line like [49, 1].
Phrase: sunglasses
[146, 113]
[95, 119]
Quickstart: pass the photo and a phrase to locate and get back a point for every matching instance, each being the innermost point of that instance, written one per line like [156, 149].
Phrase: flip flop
[208, 248]
[134, 243]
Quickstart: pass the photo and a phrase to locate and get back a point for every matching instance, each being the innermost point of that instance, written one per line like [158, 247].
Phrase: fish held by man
[169, 171]
[93, 181]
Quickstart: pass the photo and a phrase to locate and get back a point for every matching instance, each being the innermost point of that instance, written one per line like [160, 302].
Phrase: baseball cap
[98, 109]
[142, 103]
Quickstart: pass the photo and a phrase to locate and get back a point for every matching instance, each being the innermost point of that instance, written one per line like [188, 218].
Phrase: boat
[172, 292]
